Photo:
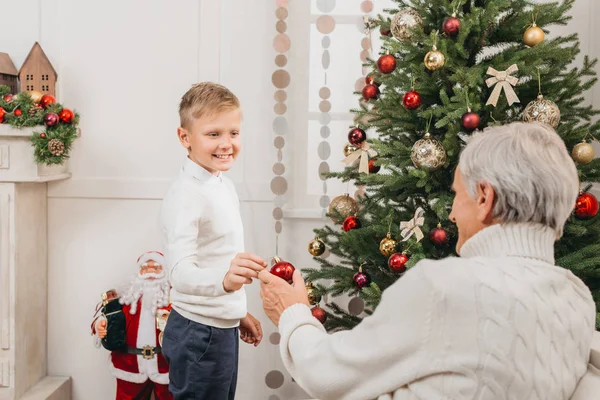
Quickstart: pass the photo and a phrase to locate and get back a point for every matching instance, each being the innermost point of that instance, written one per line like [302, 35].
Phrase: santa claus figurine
[131, 326]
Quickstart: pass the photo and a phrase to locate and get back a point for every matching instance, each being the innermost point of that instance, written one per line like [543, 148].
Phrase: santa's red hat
[155, 256]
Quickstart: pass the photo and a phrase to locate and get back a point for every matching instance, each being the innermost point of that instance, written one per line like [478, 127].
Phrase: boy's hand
[243, 268]
[250, 330]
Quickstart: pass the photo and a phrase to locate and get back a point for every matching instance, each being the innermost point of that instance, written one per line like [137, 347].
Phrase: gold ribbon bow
[503, 80]
[363, 152]
[413, 227]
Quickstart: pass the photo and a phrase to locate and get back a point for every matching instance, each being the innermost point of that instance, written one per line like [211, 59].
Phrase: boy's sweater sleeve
[386, 351]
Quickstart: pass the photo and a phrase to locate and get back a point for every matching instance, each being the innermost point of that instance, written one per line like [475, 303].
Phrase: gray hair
[530, 169]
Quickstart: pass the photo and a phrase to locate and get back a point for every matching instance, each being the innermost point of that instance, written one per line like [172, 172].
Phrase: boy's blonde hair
[205, 98]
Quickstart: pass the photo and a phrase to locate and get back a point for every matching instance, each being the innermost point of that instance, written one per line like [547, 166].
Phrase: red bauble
[397, 262]
[283, 269]
[50, 119]
[352, 222]
[411, 100]
[66, 116]
[451, 26]
[471, 121]
[8, 97]
[385, 31]
[319, 314]
[369, 80]
[18, 112]
[386, 64]
[361, 279]
[373, 169]
[2, 113]
[46, 100]
[438, 236]
[43, 135]
[356, 136]
[586, 206]
[370, 92]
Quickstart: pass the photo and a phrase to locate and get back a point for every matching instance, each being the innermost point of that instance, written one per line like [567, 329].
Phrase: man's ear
[486, 198]
[184, 137]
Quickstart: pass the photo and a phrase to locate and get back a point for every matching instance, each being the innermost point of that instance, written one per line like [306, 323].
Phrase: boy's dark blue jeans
[203, 360]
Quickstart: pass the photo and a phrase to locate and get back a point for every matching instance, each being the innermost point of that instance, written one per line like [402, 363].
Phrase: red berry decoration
[411, 100]
[586, 206]
[361, 279]
[438, 236]
[370, 92]
[18, 112]
[373, 169]
[283, 269]
[50, 119]
[451, 25]
[369, 80]
[356, 136]
[8, 97]
[43, 135]
[470, 120]
[352, 222]
[66, 115]
[386, 64]
[47, 100]
[397, 262]
[319, 314]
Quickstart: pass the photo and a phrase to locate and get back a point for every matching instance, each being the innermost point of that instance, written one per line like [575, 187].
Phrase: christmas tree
[445, 70]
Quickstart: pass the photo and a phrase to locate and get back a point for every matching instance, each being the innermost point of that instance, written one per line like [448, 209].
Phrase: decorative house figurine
[8, 73]
[37, 73]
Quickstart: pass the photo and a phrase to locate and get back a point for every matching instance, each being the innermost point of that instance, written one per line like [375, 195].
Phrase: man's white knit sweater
[501, 322]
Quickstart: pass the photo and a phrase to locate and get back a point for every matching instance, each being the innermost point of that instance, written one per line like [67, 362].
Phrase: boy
[203, 241]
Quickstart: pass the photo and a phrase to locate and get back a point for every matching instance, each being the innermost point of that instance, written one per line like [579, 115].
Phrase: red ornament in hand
[586, 206]
[361, 279]
[411, 100]
[352, 222]
[373, 169]
[46, 100]
[319, 314]
[356, 136]
[386, 64]
[370, 92]
[451, 26]
[369, 80]
[66, 115]
[397, 262]
[18, 112]
[50, 119]
[438, 236]
[283, 269]
[470, 120]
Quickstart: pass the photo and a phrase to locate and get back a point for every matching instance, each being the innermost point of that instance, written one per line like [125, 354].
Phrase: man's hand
[101, 328]
[243, 268]
[277, 294]
[250, 330]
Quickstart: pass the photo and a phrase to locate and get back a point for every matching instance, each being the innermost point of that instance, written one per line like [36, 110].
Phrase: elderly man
[500, 322]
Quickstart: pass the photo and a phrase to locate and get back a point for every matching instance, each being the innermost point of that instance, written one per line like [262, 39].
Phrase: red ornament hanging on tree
[361, 279]
[470, 120]
[319, 314]
[397, 262]
[385, 31]
[386, 64]
[66, 115]
[283, 269]
[451, 25]
[369, 80]
[370, 92]
[47, 100]
[373, 169]
[356, 136]
[18, 112]
[438, 236]
[352, 222]
[586, 206]
[411, 100]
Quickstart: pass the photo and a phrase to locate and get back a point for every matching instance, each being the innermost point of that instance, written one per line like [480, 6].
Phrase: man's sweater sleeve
[386, 351]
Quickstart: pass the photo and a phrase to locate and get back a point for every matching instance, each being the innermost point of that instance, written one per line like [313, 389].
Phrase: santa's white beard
[155, 292]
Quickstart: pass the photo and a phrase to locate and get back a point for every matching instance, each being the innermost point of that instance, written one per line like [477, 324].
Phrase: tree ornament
[411, 100]
[66, 115]
[435, 59]
[283, 269]
[369, 80]
[373, 168]
[361, 279]
[352, 222]
[586, 206]
[470, 120]
[43, 135]
[583, 152]
[413, 227]
[502, 80]
[438, 236]
[451, 25]
[343, 205]
[356, 136]
[51, 119]
[18, 112]
[56, 147]
[370, 92]
[319, 314]
[386, 64]
[8, 97]
[34, 110]
[35, 96]
[428, 153]
[404, 22]
[313, 295]
[387, 246]
[349, 149]
[316, 247]
[2, 114]
[534, 35]
[397, 262]
[542, 110]
[47, 100]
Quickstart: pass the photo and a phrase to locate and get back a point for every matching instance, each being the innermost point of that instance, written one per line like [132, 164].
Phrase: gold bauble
[345, 205]
[435, 59]
[349, 149]
[387, 246]
[313, 296]
[428, 153]
[316, 247]
[583, 152]
[403, 23]
[533, 35]
[542, 110]
[35, 96]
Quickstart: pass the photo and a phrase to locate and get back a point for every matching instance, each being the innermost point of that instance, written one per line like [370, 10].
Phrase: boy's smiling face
[213, 140]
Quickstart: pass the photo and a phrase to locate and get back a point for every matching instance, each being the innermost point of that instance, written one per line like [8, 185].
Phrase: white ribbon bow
[363, 152]
[503, 81]
[413, 227]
